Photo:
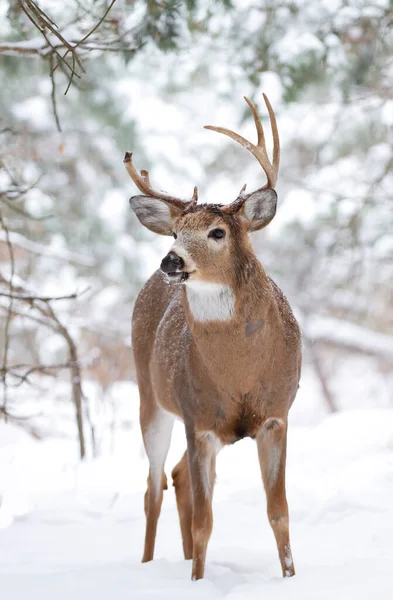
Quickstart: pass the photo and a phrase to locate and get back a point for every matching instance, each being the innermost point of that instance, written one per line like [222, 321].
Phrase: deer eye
[174, 235]
[217, 234]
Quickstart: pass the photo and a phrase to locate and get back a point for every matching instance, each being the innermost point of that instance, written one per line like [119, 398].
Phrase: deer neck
[221, 305]
[230, 325]
[210, 302]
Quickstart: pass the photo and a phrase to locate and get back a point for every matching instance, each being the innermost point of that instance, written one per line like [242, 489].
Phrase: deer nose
[171, 263]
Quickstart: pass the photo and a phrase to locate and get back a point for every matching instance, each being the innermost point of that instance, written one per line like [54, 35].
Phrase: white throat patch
[210, 301]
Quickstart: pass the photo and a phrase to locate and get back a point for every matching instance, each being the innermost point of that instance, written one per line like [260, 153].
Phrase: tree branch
[9, 313]
[32, 298]
[53, 92]
[45, 25]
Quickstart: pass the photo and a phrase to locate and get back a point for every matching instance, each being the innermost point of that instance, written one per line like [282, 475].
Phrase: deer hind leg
[272, 443]
[181, 481]
[202, 449]
[156, 430]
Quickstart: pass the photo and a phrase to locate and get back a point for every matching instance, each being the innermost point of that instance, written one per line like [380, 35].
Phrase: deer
[215, 344]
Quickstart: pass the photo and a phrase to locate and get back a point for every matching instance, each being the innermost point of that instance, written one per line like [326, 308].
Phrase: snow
[76, 530]
[72, 530]
[349, 335]
[294, 45]
[26, 47]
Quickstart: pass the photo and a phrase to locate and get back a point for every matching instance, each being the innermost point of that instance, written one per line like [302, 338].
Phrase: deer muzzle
[172, 265]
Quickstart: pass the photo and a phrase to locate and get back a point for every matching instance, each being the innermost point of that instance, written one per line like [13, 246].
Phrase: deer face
[210, 243]
[202, 248]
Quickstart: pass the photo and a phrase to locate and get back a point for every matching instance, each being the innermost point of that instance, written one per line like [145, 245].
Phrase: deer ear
[259, 209]
[155, 214]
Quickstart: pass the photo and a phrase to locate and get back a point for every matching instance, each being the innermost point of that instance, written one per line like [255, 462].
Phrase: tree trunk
[77, 394]
[323, 379]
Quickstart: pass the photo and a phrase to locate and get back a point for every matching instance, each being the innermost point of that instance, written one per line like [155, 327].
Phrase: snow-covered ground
[76, 531]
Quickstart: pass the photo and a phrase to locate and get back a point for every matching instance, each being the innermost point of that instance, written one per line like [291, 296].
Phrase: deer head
[211, 240]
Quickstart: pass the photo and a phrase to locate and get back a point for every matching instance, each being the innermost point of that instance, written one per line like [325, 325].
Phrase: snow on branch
[348, 336]
[61, 254]
[62, 52]
[27, 47]
[53, 37]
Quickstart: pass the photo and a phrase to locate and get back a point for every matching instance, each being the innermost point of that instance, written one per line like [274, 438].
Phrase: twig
[17, 190]
[82, 41]
[34, 319]
[44, 24]
[9, 314]
[22, 212]
[52, 321]
[33, 368]
[12, 49]
[44, 369]
[96, 26]
[32, 298]
[53, 93]
[41, 24]
[20, 422]
[72, 74]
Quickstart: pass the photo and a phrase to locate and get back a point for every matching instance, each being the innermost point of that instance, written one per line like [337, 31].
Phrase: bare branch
[53, 93]
[22, 212]
[52, 321]
[323, 378]
[43, 50]
[54, 42]
[76, 378]
[32, 298]
[42, 22]
[32, 369]
[97, 25]
[42, 369]
[18, 240]
[20, 422]
[9, 313]
[17, 48]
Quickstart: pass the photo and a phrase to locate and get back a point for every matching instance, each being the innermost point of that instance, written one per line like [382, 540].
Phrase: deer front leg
[202, 449]
[272, 442]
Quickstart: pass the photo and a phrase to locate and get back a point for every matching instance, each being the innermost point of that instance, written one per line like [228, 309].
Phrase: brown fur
[232, 378]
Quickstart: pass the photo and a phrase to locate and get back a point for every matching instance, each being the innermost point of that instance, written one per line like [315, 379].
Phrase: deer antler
[142, 182]
[258, 150]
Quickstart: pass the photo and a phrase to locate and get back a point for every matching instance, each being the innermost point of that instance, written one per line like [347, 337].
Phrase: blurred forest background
[81, 82]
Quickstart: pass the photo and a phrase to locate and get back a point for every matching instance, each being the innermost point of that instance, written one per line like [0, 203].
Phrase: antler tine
[235, 136]
[257, 121]
[142, 182]
[259, 150]
[276, 137]
[194, 198]
[145, 177]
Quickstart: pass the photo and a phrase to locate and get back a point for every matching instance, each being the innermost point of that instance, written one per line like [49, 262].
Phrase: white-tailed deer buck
[216, 344]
